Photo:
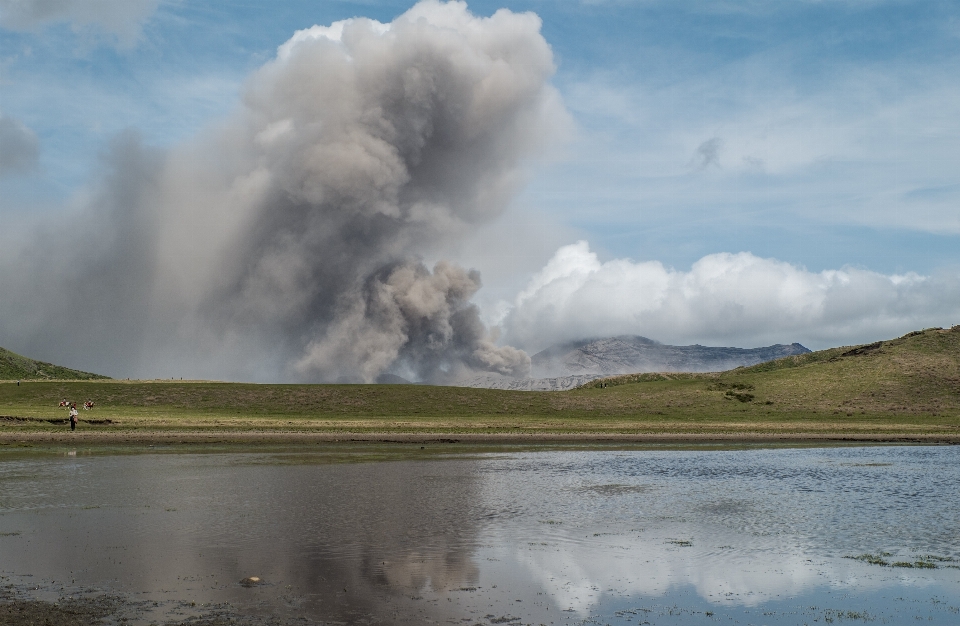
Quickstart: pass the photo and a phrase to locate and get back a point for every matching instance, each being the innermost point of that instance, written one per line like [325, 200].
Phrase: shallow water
[757, 536]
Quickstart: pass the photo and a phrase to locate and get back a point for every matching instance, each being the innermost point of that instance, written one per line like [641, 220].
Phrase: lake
[601, 536]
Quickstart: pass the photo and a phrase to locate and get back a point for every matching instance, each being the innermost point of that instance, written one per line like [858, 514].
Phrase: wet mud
[18, 609]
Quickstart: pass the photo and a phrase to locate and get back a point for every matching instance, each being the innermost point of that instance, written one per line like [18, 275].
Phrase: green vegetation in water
[927, 561]
[872, 559]
[914, 564]
[831, 615]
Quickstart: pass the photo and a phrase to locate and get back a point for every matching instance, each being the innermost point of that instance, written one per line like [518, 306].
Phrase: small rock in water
[250, 581]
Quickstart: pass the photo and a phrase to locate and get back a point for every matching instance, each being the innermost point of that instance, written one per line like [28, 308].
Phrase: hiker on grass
[73, 417]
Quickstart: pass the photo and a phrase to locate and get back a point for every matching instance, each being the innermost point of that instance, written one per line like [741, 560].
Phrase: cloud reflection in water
[536, 536]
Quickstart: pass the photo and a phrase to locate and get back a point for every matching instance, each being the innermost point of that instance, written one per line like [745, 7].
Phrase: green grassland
[902, 388]
[15, 367]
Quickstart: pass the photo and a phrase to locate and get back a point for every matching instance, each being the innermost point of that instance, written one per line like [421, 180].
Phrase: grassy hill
[16, 367]
[902, 387]
[917, 374]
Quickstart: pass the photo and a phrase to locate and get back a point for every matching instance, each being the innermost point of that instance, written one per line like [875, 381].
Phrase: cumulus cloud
[291, 242]
[121, 18]
[724, 299]
[19, 146]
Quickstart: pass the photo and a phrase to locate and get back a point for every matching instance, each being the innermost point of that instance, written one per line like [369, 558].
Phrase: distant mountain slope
[572, 364]
[16, 367]
[629, 354]
[490, 380]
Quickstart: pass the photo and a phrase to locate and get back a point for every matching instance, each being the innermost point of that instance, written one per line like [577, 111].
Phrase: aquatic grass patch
[914, 564]
[873, 559]
[927, 561]
[832, 615]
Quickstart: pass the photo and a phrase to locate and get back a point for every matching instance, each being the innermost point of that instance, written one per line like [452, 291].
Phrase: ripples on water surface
[759, 536]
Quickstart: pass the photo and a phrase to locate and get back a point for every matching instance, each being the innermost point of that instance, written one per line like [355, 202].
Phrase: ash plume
[294, 240]
[120, 18]
[19, 146]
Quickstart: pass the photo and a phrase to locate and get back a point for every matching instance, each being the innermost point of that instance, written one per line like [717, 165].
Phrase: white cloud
[333, 33]
[724, 299]
[121, 18]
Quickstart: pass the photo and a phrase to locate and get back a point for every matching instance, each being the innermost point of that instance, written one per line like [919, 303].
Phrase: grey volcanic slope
[630, 354]
[493, 380]
[572, 364]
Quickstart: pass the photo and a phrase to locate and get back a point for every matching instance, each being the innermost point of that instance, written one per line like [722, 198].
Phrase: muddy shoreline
[91, 606]
[299, 437]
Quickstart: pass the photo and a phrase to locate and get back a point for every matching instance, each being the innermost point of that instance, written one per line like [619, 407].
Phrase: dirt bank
[293, 437]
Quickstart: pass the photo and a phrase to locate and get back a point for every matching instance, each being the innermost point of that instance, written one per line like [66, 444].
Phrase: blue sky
[820, 134]
[850, 108]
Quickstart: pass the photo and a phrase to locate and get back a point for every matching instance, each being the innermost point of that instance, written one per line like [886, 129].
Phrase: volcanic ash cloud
[294, 235]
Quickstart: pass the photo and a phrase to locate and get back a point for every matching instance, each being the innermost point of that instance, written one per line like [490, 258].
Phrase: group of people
[74, 414]
[72, 405]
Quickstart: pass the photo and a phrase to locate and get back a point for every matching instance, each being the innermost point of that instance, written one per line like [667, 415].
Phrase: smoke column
[288, 243]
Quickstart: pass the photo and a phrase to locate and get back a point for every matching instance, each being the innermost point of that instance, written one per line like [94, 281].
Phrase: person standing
[73, 417]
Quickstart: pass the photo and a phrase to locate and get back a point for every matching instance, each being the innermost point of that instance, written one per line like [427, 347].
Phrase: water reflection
[551, 537]
[342, 540]
[742, 529]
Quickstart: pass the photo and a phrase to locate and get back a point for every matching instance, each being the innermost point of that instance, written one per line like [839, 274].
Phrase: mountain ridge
[575, 363]
[631, 354]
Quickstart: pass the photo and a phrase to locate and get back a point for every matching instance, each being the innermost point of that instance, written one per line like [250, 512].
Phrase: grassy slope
[904, 386]
[16, 367]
